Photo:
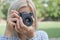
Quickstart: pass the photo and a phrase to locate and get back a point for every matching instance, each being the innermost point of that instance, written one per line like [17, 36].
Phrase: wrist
[30, 34]
[8, 32]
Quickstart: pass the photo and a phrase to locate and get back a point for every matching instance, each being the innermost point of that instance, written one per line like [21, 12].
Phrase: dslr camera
[27, 18]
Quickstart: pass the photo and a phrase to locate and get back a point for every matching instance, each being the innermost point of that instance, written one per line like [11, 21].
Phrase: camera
[27, 18]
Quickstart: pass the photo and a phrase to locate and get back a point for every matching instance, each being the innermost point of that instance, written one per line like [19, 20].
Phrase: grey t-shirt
[39, 35]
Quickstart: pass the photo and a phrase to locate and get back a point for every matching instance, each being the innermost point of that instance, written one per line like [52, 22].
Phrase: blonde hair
[16, 5]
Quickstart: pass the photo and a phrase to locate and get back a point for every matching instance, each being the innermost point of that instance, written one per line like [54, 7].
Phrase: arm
[6, 38]
[3, 38]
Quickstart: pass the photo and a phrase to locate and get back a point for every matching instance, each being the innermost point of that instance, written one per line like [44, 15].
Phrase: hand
[12, 16]
[28, 31]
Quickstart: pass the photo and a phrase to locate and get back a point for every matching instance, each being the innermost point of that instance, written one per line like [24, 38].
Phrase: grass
[52, 28]
[2, 28]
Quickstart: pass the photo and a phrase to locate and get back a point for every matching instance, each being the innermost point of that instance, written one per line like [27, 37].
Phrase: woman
[18, 30]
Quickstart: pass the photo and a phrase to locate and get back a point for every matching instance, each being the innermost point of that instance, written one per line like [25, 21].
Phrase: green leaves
[53, 9]
[4, 5]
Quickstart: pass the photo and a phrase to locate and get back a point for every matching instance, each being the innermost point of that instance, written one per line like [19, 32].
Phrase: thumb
[21, 22]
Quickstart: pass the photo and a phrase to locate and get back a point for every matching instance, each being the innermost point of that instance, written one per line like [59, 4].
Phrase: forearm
[6, 38]
[30, 35]
[8, 31]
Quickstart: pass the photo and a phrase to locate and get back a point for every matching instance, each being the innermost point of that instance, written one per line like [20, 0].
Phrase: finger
[17, 27]
[14, 11]
[21, 22]
[33, 18]
[14, 15]
[16, 21]
[34, 23]
[24, 27]
[18, 24]
[11, 23]
[13, 19]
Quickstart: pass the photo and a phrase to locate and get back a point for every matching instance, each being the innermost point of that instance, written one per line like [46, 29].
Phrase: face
[27, 8]
[29, 20]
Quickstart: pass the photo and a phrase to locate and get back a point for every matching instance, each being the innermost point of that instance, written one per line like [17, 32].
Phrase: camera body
[27, 18]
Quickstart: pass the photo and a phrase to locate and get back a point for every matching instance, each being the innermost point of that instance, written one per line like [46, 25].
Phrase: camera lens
[28, 21]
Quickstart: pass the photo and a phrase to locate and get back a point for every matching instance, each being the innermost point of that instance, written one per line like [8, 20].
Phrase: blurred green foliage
[45, 8]
[4, 5]
[48, 8]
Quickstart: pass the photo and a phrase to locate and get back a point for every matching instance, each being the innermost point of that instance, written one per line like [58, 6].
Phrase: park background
[48, 16]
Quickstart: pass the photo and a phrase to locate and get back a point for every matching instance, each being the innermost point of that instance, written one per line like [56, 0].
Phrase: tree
[4, 5]
[51, 11]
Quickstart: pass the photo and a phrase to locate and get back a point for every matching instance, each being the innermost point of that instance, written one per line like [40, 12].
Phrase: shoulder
[40, 35]
[6, 38]
[3, 38]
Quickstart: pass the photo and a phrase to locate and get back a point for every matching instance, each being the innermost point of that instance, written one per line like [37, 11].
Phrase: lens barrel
[26, 17]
